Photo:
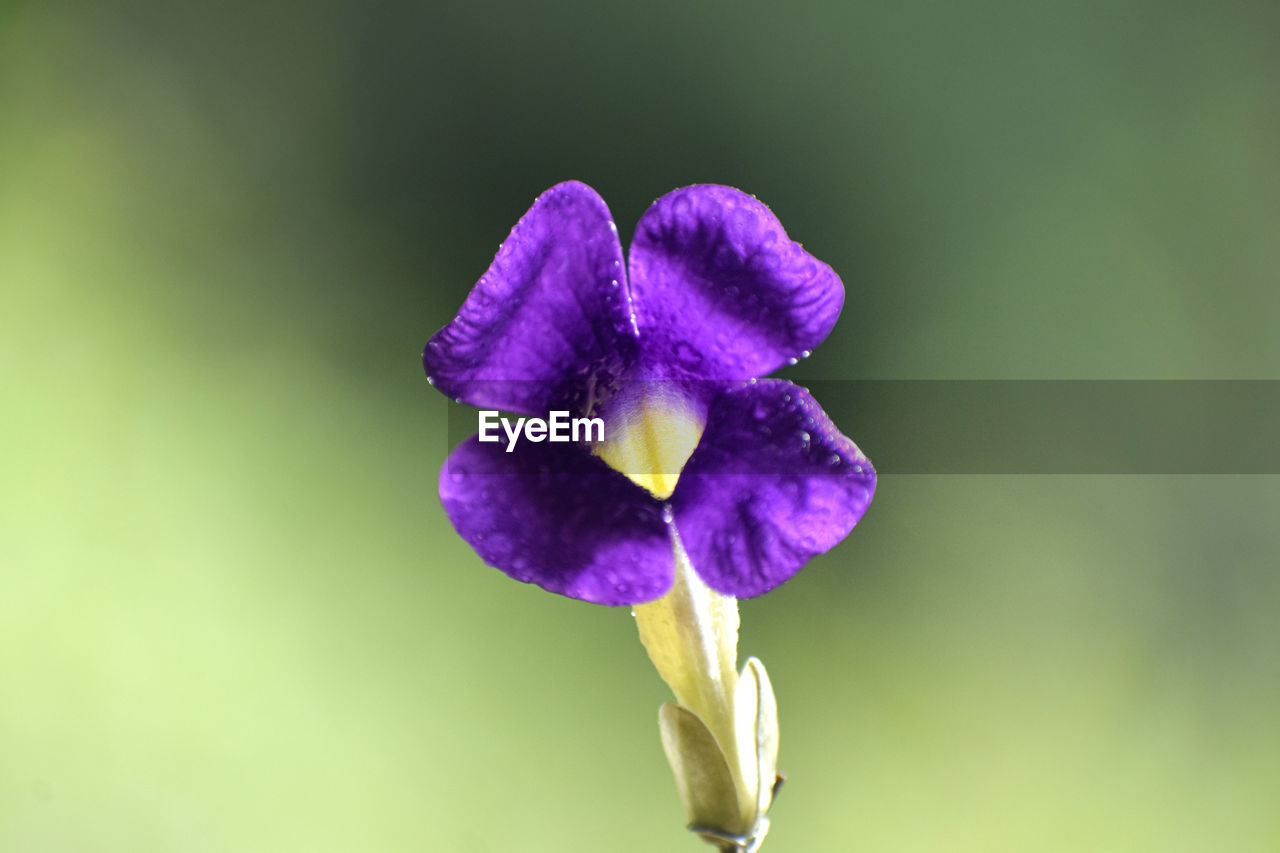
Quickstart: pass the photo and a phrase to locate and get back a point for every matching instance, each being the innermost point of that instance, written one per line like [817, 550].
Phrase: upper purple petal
[721, 292]
[558, 517]
[771, 484]
[549, 325]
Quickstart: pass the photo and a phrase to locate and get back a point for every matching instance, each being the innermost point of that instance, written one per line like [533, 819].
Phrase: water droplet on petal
[688, 356]
[793, 361]
[667, 515]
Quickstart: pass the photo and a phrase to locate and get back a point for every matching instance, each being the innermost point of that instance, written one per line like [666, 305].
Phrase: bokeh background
[233, 617]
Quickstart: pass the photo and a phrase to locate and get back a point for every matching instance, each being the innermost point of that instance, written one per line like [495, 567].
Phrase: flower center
[649, 438]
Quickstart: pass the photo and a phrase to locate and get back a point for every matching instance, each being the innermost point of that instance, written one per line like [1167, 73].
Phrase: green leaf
[766, 731]
[702, 773]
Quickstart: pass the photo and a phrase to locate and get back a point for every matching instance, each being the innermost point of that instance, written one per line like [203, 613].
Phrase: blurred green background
[233, 617]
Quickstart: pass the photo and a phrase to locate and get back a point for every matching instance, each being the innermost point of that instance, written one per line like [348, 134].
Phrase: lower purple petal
[771, 484]
[555, 516]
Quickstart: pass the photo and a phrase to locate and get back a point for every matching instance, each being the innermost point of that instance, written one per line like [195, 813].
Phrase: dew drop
[613, 283]
[857, 468]
[613, 227]
[793, 361]
[835, 460]
[806, 353]
[667, 515]
[431, 381]
[688, 356]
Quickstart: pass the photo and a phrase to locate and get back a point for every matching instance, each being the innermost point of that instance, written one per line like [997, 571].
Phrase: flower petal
[772, 483]
[558, 517]
[721, 292]
[548, 326]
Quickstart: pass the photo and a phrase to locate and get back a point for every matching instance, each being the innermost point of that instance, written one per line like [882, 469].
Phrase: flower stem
[691, 635]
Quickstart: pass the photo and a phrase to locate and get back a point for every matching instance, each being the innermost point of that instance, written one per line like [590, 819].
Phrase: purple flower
[713, 296]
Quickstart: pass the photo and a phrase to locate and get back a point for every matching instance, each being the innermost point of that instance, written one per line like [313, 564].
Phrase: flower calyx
[727, 791]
